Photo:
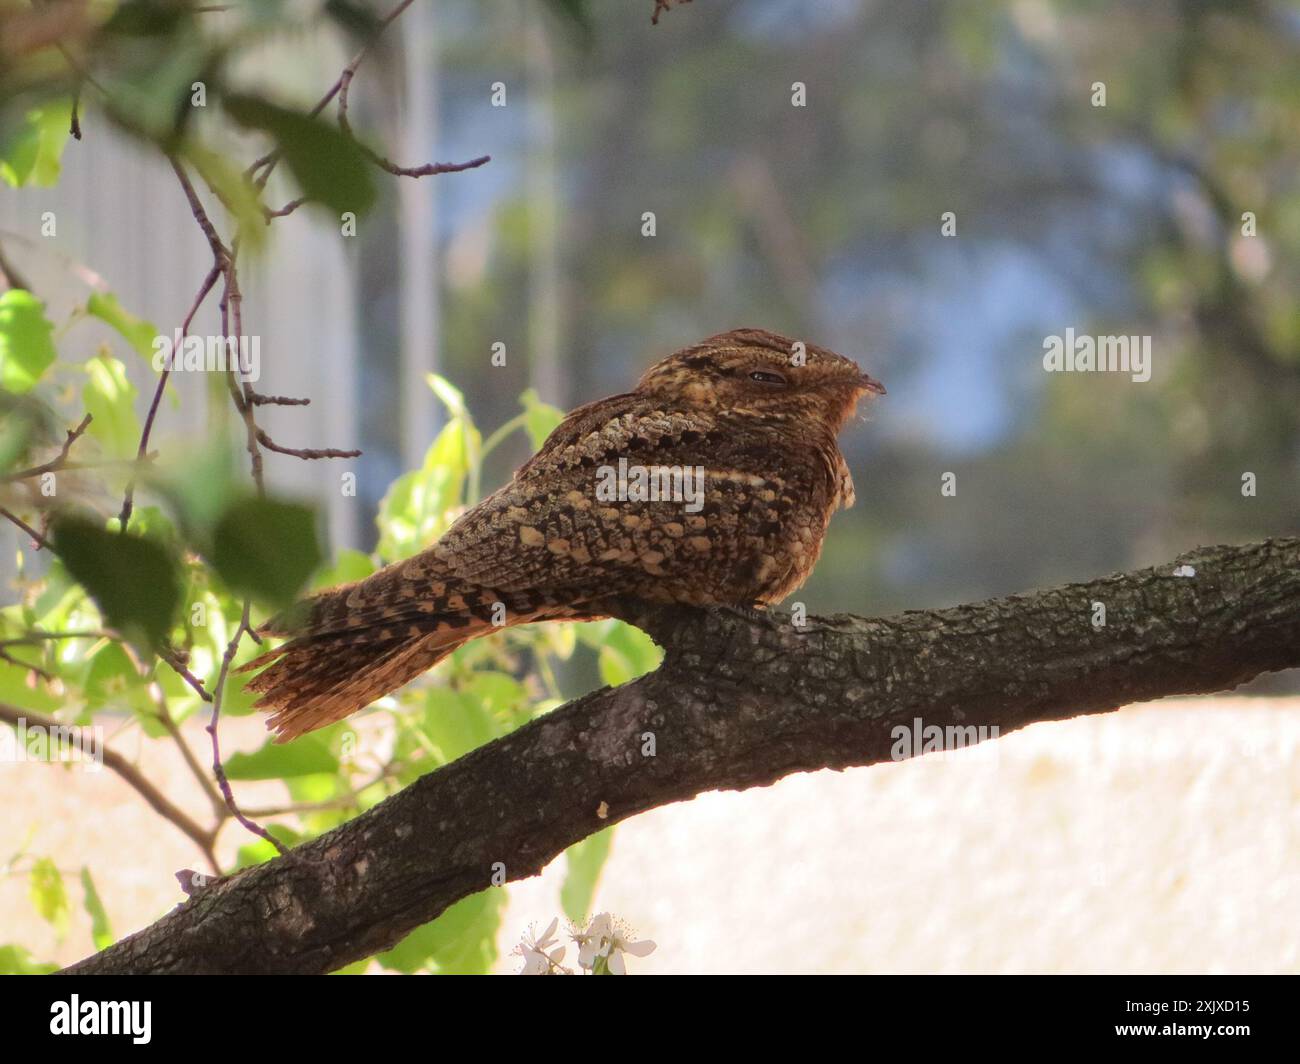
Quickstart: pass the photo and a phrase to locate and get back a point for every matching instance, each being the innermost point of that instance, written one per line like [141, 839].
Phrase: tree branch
[738, 702]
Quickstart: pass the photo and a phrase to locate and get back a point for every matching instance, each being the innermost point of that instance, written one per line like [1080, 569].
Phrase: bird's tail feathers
[340, 657]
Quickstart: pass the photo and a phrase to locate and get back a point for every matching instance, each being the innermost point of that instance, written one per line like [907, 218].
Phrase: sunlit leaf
[31, 155]
[26, 344]
[462, 941]
[261, 851]
[136, 331]
[112, 678]
[14, 960]
[416, 507]
[452, 397]
[349, 566]
[235, 191]
[101, 933]
[457, 724]
[281, 760]
[584, 860]
[109, 398]
[541, 418]
[46, 890]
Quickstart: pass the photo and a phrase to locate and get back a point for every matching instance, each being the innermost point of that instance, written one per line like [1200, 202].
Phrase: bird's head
[761, 374]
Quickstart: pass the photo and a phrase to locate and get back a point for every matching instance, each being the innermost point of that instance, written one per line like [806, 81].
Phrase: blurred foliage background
[825, 222]
[1173, 211]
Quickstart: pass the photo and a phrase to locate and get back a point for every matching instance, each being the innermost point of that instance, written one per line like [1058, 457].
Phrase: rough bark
[738, 702]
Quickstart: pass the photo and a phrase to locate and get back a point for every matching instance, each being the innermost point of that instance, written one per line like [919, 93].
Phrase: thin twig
[168, 722]
[218, 769]
[38, 539]
[42, 673]
[55, 464]
[267, 162]
[219, 250]
[345, 84]
[128, 502]
[284, 211]
[662, 7]
[307, 453]
[177, 663]
[277, 400]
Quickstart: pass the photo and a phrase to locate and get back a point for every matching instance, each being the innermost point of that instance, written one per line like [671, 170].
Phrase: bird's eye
[766, 378]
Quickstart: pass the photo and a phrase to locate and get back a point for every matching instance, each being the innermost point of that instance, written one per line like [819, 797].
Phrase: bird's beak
[870, 384]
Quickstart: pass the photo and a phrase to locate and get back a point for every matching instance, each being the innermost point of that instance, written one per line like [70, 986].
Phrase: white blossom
[606, 939]
[540, 956]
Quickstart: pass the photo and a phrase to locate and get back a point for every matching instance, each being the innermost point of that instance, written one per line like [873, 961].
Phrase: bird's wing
[560, 525]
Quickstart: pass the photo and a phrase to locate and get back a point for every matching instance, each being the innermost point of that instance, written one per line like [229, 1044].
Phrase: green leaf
[498, 692]
[22, 420]
[200, 483]
[31, 155]
[302, 757]
[642, 653]
[266, 548]
[101, 933]
[585, 860]
[152, 523]
[16, 687]
[452, 397]
[112, 678]
[14, 960]
[109, 398]
[236, 193]
[456, 723]
[133, 581]
[327, 163]
[45, 888]
[26, 344]
[541, 418]
[416, 505]
[261, 851]
[462, 941]
[626, 653]
[349, 566]
[136, 331]
[615, 669]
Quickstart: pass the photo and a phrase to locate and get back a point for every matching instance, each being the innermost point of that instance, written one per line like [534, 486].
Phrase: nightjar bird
[581, 521]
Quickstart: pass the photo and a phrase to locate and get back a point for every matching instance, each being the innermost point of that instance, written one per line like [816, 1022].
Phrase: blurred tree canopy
[825, 221]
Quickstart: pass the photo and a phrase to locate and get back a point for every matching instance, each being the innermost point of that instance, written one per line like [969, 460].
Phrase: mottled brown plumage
[552, 544]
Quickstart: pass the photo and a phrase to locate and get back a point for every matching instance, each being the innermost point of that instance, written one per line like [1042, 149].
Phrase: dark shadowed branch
[738, 702]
